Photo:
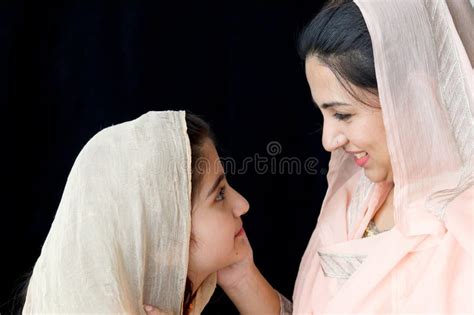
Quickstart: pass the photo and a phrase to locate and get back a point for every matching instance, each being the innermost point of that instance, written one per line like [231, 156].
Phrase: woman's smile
[361, 159]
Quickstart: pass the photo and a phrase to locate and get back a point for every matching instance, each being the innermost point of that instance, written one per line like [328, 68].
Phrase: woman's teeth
[360, 155]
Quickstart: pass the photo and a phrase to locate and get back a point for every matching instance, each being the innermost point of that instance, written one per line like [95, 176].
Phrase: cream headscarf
[120, 238]
[425, 263]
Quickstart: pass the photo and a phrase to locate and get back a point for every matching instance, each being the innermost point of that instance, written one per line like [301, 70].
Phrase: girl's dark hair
[339, 38]
[198, 132]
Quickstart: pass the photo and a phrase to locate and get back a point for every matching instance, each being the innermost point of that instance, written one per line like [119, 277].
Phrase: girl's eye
[220, 195]
[342, 116]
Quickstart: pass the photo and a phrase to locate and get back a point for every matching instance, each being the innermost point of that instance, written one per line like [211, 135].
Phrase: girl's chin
[240, 250]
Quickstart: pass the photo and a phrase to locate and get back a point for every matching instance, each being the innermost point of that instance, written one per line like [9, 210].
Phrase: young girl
[146, 218]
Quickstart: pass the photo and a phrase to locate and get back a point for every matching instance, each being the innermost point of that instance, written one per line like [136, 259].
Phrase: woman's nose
[333, 138]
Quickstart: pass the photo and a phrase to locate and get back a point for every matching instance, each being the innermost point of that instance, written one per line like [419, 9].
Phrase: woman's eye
[340, 116]
[220, 195]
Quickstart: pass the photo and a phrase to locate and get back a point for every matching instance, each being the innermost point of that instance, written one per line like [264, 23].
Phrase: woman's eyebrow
[216, 184]
[330, 104]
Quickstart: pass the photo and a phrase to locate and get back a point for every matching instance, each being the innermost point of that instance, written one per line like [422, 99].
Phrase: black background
[70, 68]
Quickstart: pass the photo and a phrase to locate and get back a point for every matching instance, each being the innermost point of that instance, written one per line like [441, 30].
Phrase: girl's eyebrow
[216, 184]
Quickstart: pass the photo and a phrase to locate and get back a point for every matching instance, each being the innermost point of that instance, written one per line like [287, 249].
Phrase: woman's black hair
[339, 38]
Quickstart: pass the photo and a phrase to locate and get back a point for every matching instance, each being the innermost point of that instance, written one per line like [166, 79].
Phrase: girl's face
[217, 233]
[349, 124]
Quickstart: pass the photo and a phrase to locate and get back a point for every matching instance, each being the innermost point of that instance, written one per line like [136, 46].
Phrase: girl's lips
[362, 161]
[240, 233]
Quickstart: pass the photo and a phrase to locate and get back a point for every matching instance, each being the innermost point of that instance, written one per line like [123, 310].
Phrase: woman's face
[349, 124]
[217, 233]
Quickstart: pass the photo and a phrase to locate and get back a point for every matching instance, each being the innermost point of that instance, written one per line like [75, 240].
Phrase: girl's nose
[240, 204]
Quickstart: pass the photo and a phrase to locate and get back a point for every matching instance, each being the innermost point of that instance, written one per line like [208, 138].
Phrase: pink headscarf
[425, 262]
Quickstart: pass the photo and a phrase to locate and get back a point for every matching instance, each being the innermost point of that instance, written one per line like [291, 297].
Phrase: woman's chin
[378, 176]
[374, 176]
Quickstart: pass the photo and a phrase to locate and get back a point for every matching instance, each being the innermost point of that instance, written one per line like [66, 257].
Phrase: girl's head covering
[425, 85]
[121, 235]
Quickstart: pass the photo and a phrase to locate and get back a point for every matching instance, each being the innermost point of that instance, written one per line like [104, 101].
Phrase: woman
[146, 218]
[397, 109]
[394, 82]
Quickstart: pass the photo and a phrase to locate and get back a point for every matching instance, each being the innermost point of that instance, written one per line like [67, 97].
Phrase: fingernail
[148, 308]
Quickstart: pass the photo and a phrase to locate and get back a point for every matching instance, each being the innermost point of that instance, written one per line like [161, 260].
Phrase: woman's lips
[362, 161]
[240, 232]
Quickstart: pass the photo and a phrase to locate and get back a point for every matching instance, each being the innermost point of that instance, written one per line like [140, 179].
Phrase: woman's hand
[231, 276]
[247, 288]
[150, 310]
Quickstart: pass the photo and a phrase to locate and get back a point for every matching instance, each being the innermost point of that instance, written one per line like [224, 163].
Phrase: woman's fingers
[150, 310]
